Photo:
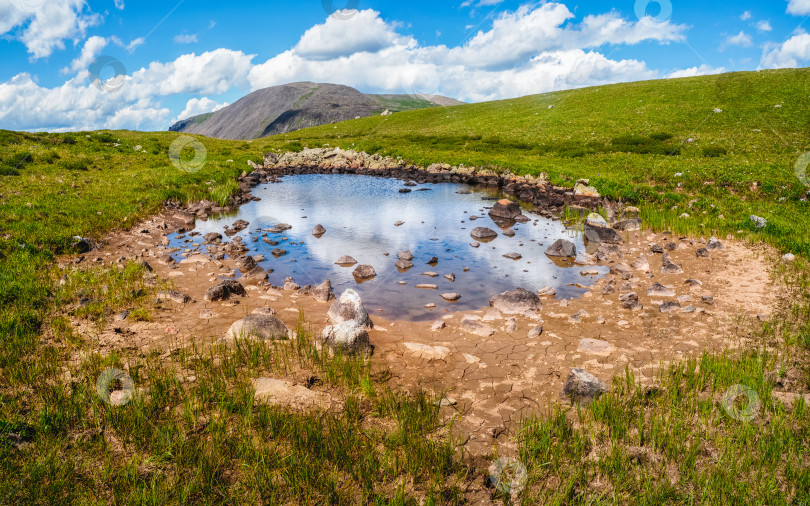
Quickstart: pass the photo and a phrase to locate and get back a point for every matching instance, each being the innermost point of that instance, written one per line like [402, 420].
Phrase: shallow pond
[359, 214]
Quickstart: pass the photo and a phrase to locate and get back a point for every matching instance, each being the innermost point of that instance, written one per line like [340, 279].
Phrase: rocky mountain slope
[289, 107]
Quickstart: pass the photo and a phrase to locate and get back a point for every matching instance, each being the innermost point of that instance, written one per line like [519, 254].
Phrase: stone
[239, 225]
[250, 269]
[473, 326]
[224, 289]
[758, 221]
[427, 286]
[475, 244]
[656, 248]
[290, 285]
[659, 290]
[430, 274]
[666, 307]
[278, 252]
[346, 261]
[629, 225]
[322, 292]
[788, 257]
[714, 244]
[403, 264]
[451, 297]
[364, 272]
[621, 270]
[505, 209]
[427, 352]
[667, 267]
[483, 233]
[437, 325]
[174, 296]
[399, 223]
[318, 230]
[702, 253]
[263, 326]
[516, 301]
[580, 385]
[547, 291]
[707, 299]
[349, 307]
[212, 237]
[350, 337]
[284, 393]
[405, 255]
[595, 347]
[581, 187]
[450, 277]
[597, 230]
[513, 256]
[562, 248]
[535, 332]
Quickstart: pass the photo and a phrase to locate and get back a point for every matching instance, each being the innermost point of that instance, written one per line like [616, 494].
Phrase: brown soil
[491, 382]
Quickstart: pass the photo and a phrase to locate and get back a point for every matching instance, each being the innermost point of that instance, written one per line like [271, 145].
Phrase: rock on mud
[322, 292]
[349, 307]
[580, 385]
[562, 248]
[659, 290]
[346, 337]
[174, 296]
[598, 230]
[516, 301]
[224, 290]
[262, 326]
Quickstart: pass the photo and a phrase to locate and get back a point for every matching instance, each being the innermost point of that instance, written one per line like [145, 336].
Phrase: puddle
[359, 213]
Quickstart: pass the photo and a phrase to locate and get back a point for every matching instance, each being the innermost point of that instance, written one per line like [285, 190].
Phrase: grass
[192, 434]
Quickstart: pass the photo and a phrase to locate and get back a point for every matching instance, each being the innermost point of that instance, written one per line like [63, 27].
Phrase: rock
[511, 325]
[290, 285]
[250, 269]
[212, 237]
[474, 244]
[224, 290]
[263, 326]
[562, 248]
[595, 347]
[265, 310]
[628, 225]
[278, 252]
[322, 292]
[656, 248]
[239, 225]
[581, 385]
[582, 188]
[428, 352]
[788, 257]
[83, 245]
[702, 253]
[597, 230]
[668, 306]
[450, 277]
[621, 270]
[399, 223]
[405, 255]
[433, 261]
[349, 307]
[659, 290]
[473, 326]
[426, 286]
[430, 274]
[174, 296]
[185, 217]
[284, 393]
[641, 263]
[346, 261]
[364, 272]
[609, 288]
[758, 221]
[505, 209]
[547, 291]
[630, 301]
[451, 297]
[350, 337]
[404, 265]
[516, 302]
[535, 332]
[318, 230]
[714, 244]
[483, 234]
[707, 299]
[513, 256]
[437, 325]
[405, 190]
[667, 267]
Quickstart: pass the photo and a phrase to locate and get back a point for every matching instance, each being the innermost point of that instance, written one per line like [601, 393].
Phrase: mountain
[289, 107]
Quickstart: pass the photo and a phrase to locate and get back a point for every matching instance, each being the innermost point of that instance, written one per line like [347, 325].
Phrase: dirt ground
[489, 382]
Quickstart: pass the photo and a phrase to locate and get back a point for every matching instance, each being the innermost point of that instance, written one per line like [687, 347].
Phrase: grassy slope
[575, 138]
[669, 445]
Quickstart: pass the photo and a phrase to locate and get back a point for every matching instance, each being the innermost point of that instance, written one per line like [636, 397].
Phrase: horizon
[72, 65]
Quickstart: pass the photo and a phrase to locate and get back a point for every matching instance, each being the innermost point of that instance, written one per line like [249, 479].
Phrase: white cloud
[703, 70]
[764, 26]
[44, 28]
[363, 32]
[742, 39]
[789, 54]
[78, 104]
[185, 38]
[92, 48]
[129, 47]
[798, 7]
[197, 106]
[119, 4]
[745, 16]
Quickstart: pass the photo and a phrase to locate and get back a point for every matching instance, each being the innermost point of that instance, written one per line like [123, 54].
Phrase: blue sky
[76, 64]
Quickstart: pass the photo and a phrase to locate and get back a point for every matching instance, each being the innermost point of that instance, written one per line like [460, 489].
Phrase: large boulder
[262, 326]
[562, 248]
[505, 209]
[349, 307]
[517, 301]
[224, 289]
[598, 230]
[346, 337]
[582, 386]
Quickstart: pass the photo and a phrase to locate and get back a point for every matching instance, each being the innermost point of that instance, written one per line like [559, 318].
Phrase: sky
[120, 64]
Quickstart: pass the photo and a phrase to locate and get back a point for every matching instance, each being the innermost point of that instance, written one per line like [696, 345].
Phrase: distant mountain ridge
[290, 107]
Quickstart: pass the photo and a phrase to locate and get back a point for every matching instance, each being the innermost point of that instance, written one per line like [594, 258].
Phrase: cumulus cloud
[43, 27]
[79, 104]
[703, 70]
[92, 48]
[119, 4]
[742, 39]
[197, 106]
[745, 16]
[363, 32]
[764, 26]
[789, 54]
[798, 7]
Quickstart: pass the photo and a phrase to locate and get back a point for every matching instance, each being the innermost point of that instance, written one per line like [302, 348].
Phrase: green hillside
[632, 140]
